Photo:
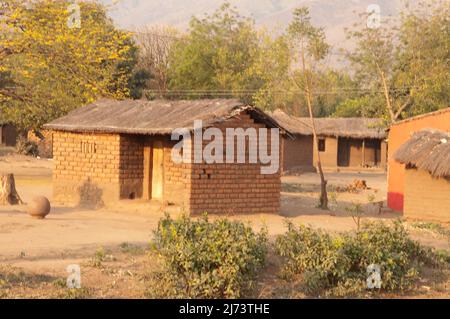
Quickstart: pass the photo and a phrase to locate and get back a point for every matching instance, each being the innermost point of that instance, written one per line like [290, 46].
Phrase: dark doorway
[8, 135]
[344, 152]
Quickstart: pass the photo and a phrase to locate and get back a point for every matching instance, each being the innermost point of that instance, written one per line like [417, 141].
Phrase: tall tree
[58, 56]
[373, 63]
[423, 57]
[406, 61]
[216, 57]
[309, 42]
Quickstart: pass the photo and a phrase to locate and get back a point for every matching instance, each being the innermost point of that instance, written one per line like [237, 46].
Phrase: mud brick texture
[93, 169]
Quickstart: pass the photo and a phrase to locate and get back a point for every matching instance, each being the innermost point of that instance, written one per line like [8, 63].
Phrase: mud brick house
[8, 134]
[426, 156]
[399, 133]
[342, 142]
[112, 150]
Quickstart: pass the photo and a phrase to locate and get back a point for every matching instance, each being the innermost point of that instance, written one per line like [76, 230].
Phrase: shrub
[337, 265]
[203, 259]
[26, 147]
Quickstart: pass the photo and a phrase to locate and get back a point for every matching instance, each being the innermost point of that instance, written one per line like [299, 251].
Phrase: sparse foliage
[310, 43]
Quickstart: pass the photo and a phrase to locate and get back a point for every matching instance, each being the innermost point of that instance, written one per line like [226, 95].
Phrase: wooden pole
[364, 153]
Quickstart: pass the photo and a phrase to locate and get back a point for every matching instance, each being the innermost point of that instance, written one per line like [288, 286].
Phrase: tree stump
[8, 192]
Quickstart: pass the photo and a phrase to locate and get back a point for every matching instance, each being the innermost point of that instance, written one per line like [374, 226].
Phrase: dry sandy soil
[34, 254]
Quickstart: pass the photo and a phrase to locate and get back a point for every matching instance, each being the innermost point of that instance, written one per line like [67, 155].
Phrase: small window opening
[321, 145]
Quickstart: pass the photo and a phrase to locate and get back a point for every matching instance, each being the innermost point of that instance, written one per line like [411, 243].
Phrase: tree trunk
[8, 192]
[323, 200]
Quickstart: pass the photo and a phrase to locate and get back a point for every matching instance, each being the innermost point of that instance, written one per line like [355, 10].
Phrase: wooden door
[147, 186]
[157, 170]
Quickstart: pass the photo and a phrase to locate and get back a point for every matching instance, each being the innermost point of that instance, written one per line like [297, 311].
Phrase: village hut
[112, 150]
[342, 142]
[426, 156]
[399, 133]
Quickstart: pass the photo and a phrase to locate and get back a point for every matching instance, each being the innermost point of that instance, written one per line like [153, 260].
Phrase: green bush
[203, 259]
[337, 265]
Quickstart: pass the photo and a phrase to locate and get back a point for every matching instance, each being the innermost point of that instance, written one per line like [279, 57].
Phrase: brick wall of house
[234, 188]
[426, 197]
[131, 166]
[94, 169]
[177, 179]
[86, 168]
[298, 153]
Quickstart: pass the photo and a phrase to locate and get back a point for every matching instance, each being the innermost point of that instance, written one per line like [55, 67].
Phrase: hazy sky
[333, 15]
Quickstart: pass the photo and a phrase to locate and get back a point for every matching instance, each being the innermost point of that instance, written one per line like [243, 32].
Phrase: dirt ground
[35, 253]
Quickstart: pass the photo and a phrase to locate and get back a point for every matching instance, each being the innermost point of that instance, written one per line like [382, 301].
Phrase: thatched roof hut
[428, 150]
[343, 127]
[154, 117]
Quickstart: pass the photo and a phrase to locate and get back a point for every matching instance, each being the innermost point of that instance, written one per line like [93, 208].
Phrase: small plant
[131, 249]
[338, 265]
[333, 203]
[75, 293]
[357, 213]
[60, 283]
[203, 259]
[98, 258]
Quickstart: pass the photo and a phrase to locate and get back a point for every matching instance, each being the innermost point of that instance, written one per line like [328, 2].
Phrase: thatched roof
[154, 117]
[428, 150]
[354, 127]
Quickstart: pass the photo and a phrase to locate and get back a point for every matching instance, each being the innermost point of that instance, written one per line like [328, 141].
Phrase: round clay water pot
[39, 207]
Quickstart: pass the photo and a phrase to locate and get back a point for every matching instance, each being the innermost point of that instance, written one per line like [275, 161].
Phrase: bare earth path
[73, 235]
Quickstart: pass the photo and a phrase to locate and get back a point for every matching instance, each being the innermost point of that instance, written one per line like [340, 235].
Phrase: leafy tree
[216, 58]
[362, 106]
[272, 66]
[423, 58]
[408, 65]
[312, 48]
[128, 72]
[332, 88]
[56, 64]
[373, 63]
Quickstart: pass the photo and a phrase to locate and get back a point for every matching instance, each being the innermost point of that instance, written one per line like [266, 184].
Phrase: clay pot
[39, 207]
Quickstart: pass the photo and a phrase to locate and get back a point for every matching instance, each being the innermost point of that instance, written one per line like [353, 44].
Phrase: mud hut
[112, 150]
[426, 156]
[342, 142]
[399, 133]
